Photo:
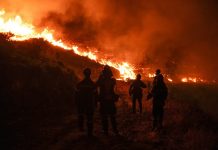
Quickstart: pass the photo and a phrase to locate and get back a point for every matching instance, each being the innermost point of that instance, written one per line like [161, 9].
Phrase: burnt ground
[185, 127]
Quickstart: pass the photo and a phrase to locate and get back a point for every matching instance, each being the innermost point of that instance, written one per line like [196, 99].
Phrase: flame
[184, 79]
[170, 80]
[192, 79]
[24, 31]
[150, 75]
[126, 71]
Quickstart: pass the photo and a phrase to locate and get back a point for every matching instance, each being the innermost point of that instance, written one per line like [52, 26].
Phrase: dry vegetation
[37, 106]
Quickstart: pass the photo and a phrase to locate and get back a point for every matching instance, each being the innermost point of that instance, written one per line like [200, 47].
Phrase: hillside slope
[37, 82]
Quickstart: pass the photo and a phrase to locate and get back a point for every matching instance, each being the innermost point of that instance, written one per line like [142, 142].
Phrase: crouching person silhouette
[86, 101]
[107, 99]
[159, 93]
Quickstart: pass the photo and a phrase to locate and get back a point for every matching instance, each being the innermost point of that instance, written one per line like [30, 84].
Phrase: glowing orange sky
[152, 33]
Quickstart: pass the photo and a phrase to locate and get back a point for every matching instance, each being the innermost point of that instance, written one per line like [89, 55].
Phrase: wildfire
[170, 80]
[126, 71]
[192, 79]
[24, 31]
[184, 80]
[151, 75]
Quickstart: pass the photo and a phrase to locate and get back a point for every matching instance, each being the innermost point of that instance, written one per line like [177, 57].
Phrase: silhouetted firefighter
[135, 91]
[159, 93]
[107, 99]
[86, 101]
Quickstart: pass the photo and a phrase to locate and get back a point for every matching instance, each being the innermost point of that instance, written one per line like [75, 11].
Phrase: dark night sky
[180, 34]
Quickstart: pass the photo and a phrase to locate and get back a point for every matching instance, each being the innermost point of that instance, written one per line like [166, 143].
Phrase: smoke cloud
[178, 36]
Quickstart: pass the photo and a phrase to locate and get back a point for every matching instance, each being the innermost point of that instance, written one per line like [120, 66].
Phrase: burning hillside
[46, 44]
[23, 31]
[38, 110]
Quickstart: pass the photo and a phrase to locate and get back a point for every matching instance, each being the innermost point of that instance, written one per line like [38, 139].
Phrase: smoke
[178, 36]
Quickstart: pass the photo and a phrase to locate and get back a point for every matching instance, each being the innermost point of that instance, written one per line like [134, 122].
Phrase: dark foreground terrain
[38, 111]
[185, 127]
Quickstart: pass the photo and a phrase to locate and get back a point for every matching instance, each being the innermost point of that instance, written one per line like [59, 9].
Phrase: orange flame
[192, 79]
[24, 31]
[170, 80]
[151, 75]
[184, 79]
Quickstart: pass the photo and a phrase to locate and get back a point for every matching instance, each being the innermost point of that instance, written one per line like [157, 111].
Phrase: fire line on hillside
[23, 31]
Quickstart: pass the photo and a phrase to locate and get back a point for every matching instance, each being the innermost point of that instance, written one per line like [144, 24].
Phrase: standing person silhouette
[159, 93]
[85, 100]
[107, 98]
[135, 91]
